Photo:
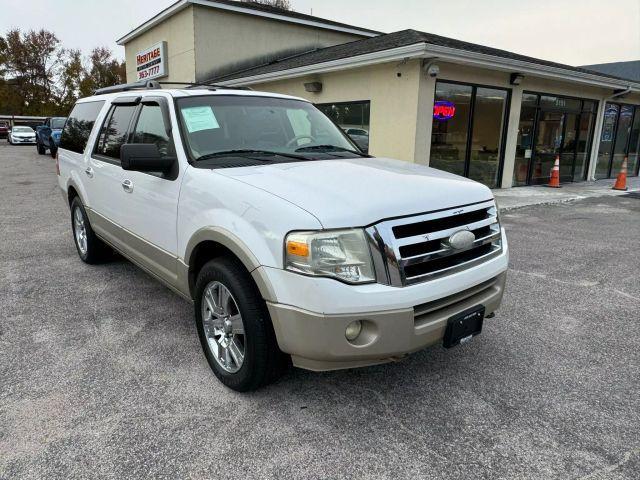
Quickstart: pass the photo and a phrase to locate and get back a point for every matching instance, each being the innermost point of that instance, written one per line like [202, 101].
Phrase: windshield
[57, 123]
[232, 124]
[23, 129]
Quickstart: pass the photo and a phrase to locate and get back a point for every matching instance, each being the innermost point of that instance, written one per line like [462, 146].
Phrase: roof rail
[125, 87]
[210, 86]
[154, 85]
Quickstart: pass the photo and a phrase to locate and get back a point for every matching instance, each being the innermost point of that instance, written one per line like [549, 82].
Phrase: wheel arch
[213, 242]
[74, 189]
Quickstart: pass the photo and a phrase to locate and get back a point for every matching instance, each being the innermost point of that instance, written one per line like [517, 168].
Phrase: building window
[353, 118]
[620, 138]
[552, 126]
[469, 130]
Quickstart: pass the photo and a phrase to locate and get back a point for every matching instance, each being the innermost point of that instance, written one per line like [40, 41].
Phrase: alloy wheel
[80, 231]
[223, 327]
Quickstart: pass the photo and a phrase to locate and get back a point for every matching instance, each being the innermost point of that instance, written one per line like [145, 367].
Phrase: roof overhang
[452, 55]
[182, 4]
[417, 50]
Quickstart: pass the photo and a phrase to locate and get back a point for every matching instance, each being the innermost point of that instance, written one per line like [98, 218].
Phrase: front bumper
[25, 140]
[397, 321]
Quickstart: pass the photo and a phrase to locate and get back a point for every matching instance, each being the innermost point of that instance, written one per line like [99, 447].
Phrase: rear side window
[79, 125]
[114, 131]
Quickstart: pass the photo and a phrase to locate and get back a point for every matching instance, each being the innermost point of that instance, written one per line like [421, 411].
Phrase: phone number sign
[152, 62]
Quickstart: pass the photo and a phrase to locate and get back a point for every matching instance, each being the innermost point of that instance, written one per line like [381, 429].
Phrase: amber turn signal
[298, 249]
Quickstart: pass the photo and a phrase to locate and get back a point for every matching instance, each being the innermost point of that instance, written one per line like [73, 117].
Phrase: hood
[23, 134]
[363, 191]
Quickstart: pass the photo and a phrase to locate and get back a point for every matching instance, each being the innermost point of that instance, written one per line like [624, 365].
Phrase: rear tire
[90, 248]
[52, 149]
[262, 362]
[40, 148]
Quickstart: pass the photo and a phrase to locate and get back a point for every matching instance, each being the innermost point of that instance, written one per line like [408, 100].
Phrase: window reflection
[452, 150]
[619, 138]
[552, 126]
[353, 118]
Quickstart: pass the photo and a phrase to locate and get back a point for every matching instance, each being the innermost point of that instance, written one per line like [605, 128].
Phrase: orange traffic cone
[621, 181]
[554, 180]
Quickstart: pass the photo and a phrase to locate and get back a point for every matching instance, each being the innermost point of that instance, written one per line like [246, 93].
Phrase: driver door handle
[89, 172]
[127, 185]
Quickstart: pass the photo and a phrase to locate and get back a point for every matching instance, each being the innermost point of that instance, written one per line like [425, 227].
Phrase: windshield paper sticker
[199, 118]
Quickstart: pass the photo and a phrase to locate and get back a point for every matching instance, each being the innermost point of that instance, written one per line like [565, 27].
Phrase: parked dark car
[4, 129]
[360, 136]
[48, 135]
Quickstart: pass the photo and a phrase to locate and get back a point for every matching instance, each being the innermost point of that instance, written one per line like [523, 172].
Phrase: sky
[574, 32]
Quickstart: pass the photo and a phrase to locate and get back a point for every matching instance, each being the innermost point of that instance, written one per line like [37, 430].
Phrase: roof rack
[209, 86]
[125, 87]
[154, 85]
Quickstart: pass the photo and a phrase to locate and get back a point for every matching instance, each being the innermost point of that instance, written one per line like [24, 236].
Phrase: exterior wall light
[516, 78]
[313, 87]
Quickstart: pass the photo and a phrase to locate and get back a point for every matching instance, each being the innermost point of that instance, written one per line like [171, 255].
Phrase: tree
[39, 77]
[72, 76]
[281, 4]
[103, 71]
[29, 70]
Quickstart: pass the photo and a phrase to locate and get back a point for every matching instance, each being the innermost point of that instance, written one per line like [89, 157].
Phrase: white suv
[294, 246]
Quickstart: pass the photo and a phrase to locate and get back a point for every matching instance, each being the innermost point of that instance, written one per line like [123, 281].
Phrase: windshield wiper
[329, 148]
[230, 153]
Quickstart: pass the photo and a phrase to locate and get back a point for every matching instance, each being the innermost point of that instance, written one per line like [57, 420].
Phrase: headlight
[341, 254]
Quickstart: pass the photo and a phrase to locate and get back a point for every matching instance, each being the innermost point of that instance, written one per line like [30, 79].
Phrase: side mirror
[144, 157]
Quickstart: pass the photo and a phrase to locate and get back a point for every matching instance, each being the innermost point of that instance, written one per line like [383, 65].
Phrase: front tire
[90, 248]
[40, 148]
[234, 327]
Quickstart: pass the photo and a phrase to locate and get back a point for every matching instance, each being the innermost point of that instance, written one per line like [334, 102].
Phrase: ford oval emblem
[461, 240]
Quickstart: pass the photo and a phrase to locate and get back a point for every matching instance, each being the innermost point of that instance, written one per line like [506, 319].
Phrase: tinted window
[151, 129]
[114, 131]
[57, 122]
[78, 128]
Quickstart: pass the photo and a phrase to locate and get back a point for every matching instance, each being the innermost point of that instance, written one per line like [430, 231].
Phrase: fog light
[353, 330]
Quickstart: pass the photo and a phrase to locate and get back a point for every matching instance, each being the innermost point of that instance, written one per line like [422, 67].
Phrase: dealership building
[492, 115]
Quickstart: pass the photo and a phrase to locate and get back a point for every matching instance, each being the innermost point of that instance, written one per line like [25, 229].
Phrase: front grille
[415, 249]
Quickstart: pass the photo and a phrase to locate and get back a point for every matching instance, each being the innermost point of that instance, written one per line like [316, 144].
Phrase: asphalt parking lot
[102, 374]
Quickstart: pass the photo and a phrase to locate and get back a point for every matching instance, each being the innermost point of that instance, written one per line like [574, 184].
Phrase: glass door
[547, 146]
[619, 138]
[468, 131]
[552, 126]
[582, 149]
[568, 149]
[634, 145]
[622, 139]
[487, 135]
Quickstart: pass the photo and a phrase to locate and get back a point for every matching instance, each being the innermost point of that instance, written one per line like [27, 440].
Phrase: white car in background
[22, 135]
